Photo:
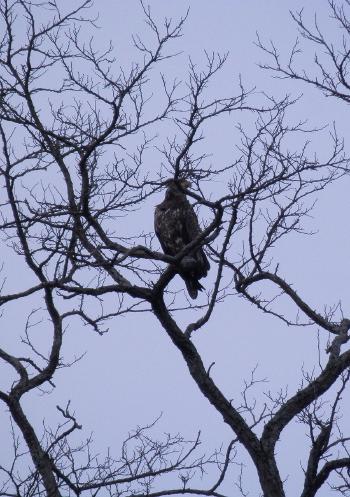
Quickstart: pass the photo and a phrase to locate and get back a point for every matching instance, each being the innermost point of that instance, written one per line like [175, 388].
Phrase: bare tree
[331, 58]
[76, 131]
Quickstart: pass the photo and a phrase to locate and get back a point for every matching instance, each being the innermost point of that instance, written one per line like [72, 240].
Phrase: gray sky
[132, 374]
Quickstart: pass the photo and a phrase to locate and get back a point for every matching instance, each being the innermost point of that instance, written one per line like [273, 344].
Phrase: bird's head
[177, 184]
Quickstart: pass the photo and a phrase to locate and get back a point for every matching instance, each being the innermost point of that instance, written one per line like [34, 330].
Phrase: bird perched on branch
[176, 225]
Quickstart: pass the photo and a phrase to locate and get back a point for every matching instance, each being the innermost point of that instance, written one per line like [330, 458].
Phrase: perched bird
[176, 225]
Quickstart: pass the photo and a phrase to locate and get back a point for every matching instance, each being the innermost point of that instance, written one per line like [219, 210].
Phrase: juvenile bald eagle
[176, 225]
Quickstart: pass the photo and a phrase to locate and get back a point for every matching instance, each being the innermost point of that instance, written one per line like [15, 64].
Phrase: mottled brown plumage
[176, 225]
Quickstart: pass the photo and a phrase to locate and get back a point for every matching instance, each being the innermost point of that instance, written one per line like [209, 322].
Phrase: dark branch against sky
[251, 158]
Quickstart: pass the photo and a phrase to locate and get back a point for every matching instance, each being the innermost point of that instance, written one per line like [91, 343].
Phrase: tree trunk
[39, 456]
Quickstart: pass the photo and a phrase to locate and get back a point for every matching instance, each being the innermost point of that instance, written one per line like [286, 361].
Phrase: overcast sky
[131, 375]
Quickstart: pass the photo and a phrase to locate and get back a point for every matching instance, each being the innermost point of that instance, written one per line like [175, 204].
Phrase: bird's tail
[193, 286]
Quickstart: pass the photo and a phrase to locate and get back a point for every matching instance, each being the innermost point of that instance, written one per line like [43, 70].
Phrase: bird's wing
[193, 230]
[159, 225]
[169, 227]
[190, 223]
